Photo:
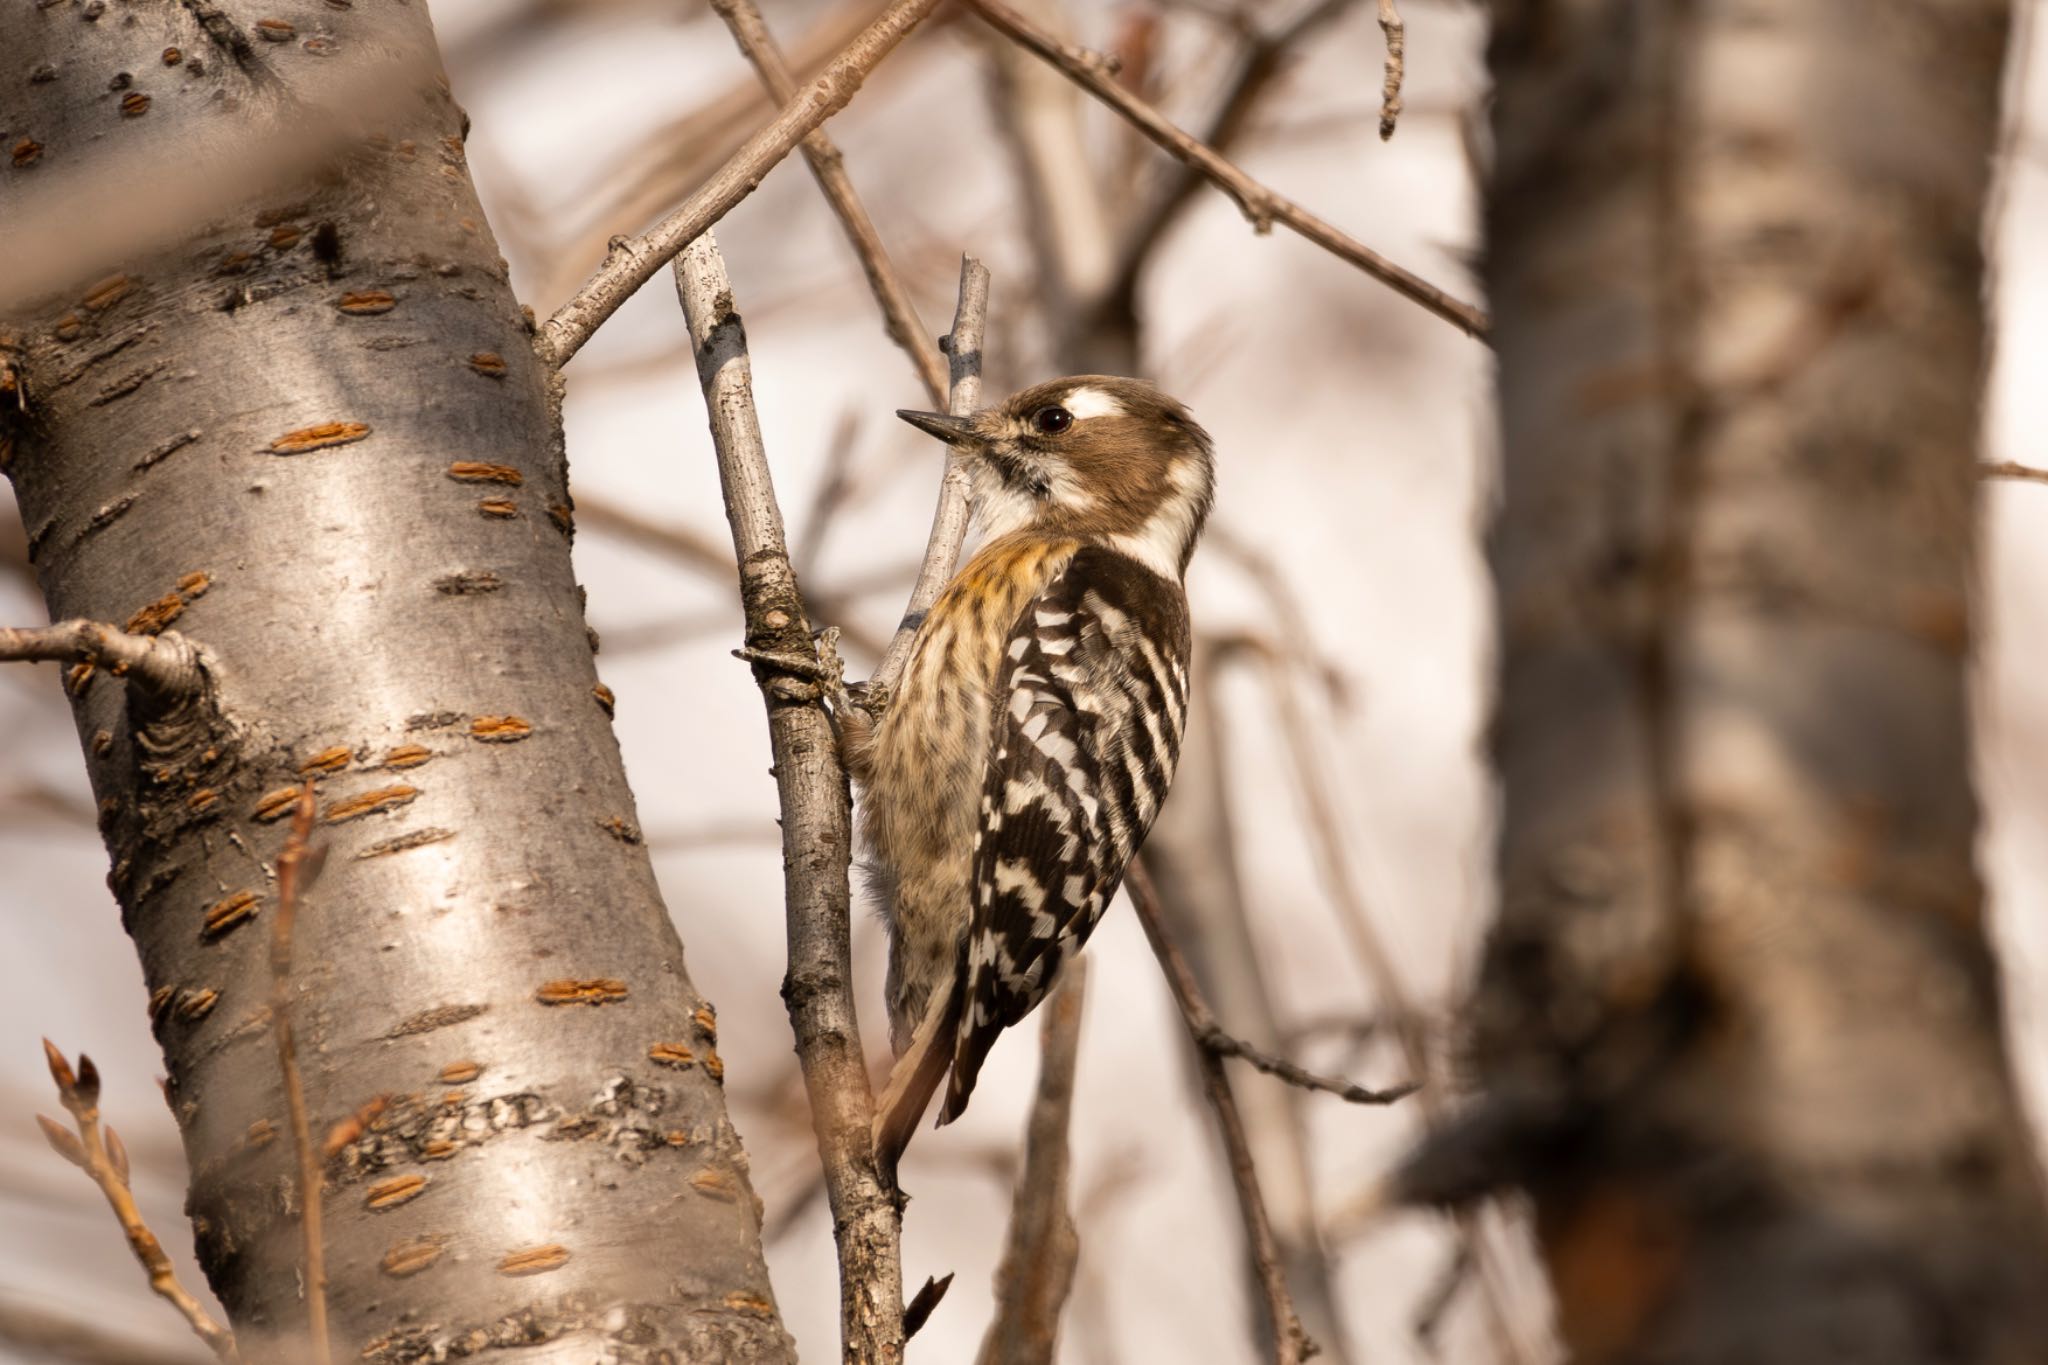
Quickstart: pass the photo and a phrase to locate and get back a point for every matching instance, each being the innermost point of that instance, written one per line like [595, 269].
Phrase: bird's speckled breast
[926, 759]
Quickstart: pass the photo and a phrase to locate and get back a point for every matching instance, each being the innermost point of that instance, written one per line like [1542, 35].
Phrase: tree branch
[166, 663]
[1211, 1036]
[99, 1153]
[1291, 1344]
[2010, 469]
[1397, 67]
[816, 827]
[1261, 60]
[949, 522]
[899, 314]
[1037, 1270]
[696, 551]
[633, 260]
[1261, 205]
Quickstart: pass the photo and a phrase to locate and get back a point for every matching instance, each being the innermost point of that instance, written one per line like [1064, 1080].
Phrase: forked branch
[899, 314]
[1261, 205]
[97, 1150]
[1291, 1343]
[633, 260]
[816, 824]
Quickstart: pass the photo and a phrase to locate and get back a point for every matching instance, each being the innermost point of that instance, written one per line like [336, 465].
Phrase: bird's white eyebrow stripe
[1088, 401]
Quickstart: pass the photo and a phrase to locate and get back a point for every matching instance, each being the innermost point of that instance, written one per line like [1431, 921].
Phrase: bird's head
[1103, 459]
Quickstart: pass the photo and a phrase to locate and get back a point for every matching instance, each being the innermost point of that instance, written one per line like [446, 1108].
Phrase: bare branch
[832, 496]
[816, 828]
[1397, 66]
[1042, 120]
[949, 522]
[676, 156]
[166, 663]
[2008, 469]
[696, 551]
[296, 866]
[899, 314]
[1211, 1036]
[1261, 205]
[80, 1093]
[1328, 847]
[680, 543]
[1037, 1270]
[633, 260]
[1291, 1344]
[1261, 60]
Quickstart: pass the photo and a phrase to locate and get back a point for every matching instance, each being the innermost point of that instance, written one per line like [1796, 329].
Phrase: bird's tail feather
[915, 1077]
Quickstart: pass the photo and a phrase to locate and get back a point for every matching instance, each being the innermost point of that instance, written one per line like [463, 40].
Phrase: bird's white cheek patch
[1086, 402]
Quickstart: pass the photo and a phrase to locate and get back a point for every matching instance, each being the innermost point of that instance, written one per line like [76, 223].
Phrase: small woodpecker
[1032, 738]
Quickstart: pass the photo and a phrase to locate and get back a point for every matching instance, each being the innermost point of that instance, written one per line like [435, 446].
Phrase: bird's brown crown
[1096, 457]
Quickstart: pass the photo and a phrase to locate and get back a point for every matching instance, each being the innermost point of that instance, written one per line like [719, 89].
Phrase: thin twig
[1261, 205]
[1211, 1036]
[1042, 120]
[674, 157]
[296, 866]
[899, 314]
[949, 522]
[680, 543]
[831, 497]
[1261, 60]
[99, 1153]
[165, 663]
[1397, 66]
[1328, 847]
[1291, 1344]
[2008, 469]
[1037, 1270]
[633, 260]
[1430, 1312]
[816, 825]
[698, 552]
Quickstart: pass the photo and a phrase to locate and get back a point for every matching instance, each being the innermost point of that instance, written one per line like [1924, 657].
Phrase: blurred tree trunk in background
[311, 437]
[1740, 1019]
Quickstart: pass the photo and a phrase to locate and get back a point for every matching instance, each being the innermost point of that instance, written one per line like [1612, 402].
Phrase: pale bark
[817, 826]
[1739, 1020]
[314, 433]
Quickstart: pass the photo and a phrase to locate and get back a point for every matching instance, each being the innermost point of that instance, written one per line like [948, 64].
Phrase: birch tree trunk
[1740, 1019]
[311, 436]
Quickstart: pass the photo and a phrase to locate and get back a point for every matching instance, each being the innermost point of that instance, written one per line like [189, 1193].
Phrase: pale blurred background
[1353, 434]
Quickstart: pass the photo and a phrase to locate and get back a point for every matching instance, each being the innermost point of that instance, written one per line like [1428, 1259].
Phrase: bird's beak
[952, 430]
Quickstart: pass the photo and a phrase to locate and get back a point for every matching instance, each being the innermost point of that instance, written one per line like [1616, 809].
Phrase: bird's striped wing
[1093, 697]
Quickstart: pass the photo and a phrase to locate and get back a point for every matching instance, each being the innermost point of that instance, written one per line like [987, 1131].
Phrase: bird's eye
[1053, 420]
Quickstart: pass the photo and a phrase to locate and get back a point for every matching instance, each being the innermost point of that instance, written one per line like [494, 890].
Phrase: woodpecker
[1032, 738]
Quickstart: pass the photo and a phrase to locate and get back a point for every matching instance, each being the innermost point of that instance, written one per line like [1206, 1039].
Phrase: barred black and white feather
[1092, 704]
[1035, 733]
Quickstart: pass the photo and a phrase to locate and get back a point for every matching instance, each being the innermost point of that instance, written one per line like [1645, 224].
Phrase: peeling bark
[1739, 1019]
[314, 434]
